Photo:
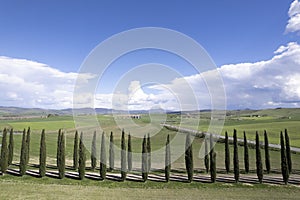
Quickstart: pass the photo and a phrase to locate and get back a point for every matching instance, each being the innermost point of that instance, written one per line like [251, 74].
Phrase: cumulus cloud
[294, 14]
[264, 84]
[27, 83]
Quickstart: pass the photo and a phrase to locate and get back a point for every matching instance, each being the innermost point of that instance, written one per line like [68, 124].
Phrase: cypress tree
[206, 158]
[11, 147]
[103, 158]
[259, 168]
[123, 157]
[213, 172]
[129, 153]
[111, 152]
[267, 155]
[284, 166]
[149, 152]
[23, 164]
[42, 167]
[167, 160]
[144, 160]
[4, 152]
[82, 158]
[58, 150]
[227, 153]
[61, 154]
[189, 157]
[288, 151]
[94, 152]
[75, 151]
[246, 154]
[28, 145]
[236, 168]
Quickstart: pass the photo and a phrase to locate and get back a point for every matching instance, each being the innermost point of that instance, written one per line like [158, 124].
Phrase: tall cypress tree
[213, 169]
[63, 159]
[167, 160]
[11, 147]
[144, 160]
[111, 152]
[4, 152]
[284, 166]
[28, 145]
[246, 154]
[129, 153]
[58, 150]
[288, 151]
[123, 157]
[61, 155]
[82, 158]
[213, 172]
[149, 152]
[42, 167]
[23, 164]
[94, 152]
[103, 158]
[75, 151]
[206, 157]
[227, 153]
[236, 168]
[259, 168]
[189, 157]
[267, 155]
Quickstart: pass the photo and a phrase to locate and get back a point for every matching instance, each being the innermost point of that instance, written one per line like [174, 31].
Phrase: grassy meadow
[273, 121]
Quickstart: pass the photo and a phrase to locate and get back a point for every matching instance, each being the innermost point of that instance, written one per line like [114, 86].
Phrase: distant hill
[17, 111]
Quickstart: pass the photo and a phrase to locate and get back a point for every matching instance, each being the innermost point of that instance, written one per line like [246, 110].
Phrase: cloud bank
[265, 84]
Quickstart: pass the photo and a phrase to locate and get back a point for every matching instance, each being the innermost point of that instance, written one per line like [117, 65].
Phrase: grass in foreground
[48, 188]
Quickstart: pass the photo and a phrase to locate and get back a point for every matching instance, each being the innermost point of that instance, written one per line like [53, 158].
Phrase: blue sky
[60, 34]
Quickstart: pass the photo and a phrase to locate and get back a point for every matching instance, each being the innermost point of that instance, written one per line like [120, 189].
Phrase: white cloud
[27, 83]
[294, 14]
[264, 84]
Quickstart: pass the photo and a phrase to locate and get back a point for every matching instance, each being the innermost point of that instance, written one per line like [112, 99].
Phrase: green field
[48, 188]
[273, 121]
